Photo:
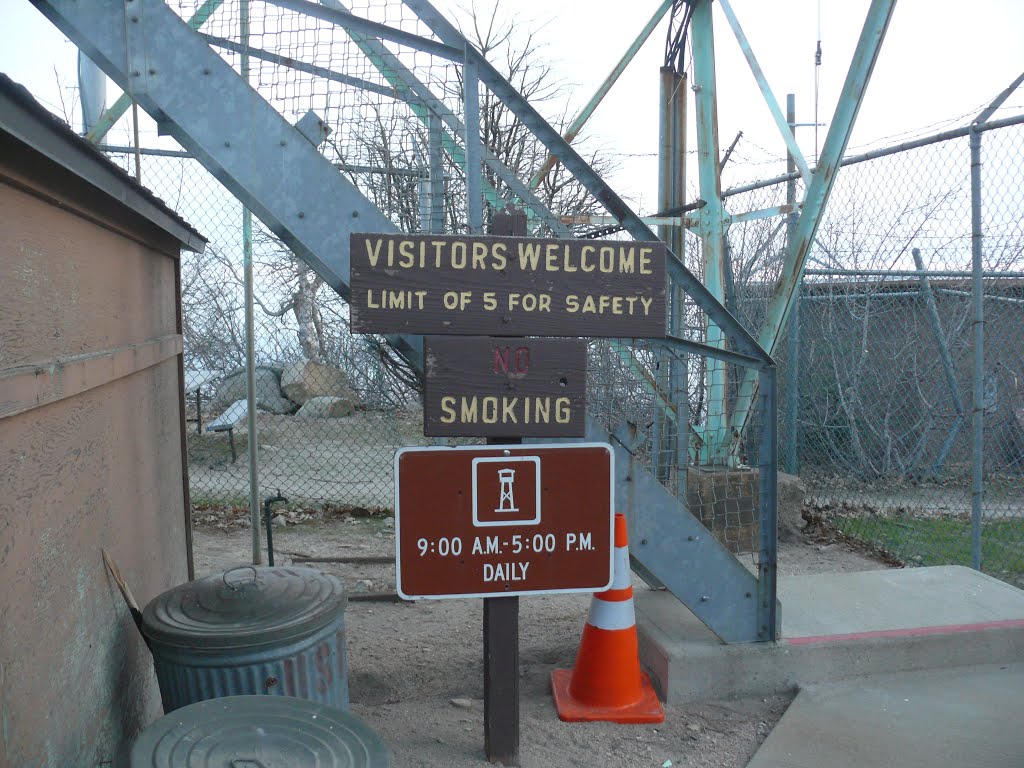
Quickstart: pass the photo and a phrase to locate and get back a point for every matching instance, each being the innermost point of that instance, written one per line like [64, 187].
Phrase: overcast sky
[941, 60]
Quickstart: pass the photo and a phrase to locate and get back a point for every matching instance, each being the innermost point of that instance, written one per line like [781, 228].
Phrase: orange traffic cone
[607, 682]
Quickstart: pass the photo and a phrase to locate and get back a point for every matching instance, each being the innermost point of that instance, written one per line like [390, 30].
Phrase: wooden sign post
[501, 616]
[478, 298]
[501, 672]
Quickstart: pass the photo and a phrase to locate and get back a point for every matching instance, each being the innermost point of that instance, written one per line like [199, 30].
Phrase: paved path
[969, 716]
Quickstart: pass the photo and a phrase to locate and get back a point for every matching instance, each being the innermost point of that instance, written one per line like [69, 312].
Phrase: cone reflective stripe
[620, 577]
[607, 682]
[605, 614]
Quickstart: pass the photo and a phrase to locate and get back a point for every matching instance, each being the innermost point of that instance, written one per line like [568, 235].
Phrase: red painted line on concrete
[912, 632]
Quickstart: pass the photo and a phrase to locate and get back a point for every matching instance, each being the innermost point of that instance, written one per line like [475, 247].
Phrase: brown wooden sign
[506, 286]
[513, 520]
[480, 386]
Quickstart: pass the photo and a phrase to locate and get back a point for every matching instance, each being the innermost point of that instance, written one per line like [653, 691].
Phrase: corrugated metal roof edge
[31, 123]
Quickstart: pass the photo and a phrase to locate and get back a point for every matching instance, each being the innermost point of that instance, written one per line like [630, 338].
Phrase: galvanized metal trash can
[259, 732]
[251, 630]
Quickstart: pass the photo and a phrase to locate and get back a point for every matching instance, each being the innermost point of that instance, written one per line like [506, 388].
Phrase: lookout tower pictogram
[506, 503]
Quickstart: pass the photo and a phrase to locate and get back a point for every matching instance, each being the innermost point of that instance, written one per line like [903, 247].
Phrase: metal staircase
[274, 170]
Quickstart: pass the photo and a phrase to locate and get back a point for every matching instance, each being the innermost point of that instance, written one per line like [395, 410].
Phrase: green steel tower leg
[712, 227]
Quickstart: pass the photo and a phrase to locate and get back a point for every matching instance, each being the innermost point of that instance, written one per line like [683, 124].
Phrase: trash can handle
[235, 585]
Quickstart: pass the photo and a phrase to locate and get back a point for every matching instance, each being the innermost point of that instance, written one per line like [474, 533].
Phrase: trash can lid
[244, 607]
[259, 732]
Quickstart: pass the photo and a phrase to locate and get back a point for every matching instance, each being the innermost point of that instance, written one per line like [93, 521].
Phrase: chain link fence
[331, 410]
[876, 362]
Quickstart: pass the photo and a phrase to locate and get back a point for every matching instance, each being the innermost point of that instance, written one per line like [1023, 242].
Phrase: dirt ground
[409, 661]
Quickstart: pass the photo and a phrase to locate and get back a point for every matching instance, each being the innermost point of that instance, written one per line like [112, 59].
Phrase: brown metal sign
[506, 286]
[480, 386]
[503, 520]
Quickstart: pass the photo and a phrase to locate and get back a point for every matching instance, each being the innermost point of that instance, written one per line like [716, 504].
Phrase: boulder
[790, 495]
[268, 390]
[326, 408]
[306, 379]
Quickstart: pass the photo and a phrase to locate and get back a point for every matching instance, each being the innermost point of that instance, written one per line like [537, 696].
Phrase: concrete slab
[838, 626]
[931, 719]
[831, 604]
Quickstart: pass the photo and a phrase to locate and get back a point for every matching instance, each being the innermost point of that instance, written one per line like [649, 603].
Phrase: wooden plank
[501, 680]
[507, 286]
[25, 387]
[501, 672]
[482, 386]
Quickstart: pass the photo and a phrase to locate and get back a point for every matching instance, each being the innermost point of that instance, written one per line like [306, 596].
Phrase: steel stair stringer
[238, 137]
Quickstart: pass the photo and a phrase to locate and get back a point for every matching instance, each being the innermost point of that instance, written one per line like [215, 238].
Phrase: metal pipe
[675, 236]
[250, 343]
[665, 222]
[907, 273]
[679, 393]
[423, 193]
[858, 296]
[662, 404]
[606, 85]
[471, 101]
[665, 162]
[978, 465]
[997, 102]
[114, 149]
[1006, 299]
[793, 349]
[874, 154]
[268, 520]
[436, 160]
[764, 213]
[119, 150]
[793, 389]
[768, 479]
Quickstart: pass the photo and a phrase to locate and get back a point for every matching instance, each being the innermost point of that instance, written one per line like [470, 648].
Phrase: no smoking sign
[514, 520]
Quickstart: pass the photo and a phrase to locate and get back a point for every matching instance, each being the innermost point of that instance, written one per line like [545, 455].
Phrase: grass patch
[943, 541]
